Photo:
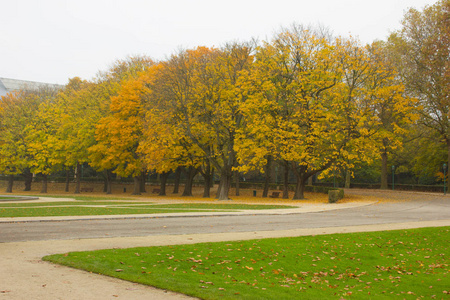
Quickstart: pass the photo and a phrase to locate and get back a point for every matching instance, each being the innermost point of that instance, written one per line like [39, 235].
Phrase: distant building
[8, 85]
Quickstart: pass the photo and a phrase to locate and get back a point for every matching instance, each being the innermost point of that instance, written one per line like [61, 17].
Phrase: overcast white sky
[54, 40]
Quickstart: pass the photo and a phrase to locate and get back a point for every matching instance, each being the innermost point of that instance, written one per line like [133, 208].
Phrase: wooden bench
[87, 189]
[275, 195]
[156, 191]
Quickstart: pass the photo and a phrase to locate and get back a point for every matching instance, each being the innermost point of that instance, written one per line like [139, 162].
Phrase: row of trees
[304, 99]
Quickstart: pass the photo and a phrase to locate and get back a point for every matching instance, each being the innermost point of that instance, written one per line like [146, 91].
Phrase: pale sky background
[54, 40]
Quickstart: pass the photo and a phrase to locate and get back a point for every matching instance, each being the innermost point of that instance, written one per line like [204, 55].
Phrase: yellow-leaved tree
[201, 98]
[297, 111]
[43, 143]
[17, 110]
[393, 110]
[117, 130]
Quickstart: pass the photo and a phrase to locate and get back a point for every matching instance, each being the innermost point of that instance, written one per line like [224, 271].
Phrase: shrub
[333, 196]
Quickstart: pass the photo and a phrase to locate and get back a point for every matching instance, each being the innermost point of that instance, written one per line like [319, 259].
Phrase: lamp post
[445, 167]
[393, 178]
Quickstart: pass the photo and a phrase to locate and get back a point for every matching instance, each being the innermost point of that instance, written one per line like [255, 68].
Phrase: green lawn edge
[406, 264]
[117, 207]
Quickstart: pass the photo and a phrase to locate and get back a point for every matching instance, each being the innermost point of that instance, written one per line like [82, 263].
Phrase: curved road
[435, 208]
[22, 245]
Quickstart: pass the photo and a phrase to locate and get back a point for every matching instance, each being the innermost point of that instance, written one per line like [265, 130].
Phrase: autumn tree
[117, 86]
[217, 107]
[393, 110]
[166, 147]
[200, 95]
[376, 109]
[73, 112]
[17, 110]
[43, 143]
[421, 52]
[293, 111]
[119, 133]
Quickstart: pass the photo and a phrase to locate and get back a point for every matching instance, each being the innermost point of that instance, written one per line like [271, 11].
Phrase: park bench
[85, 189]
[275, 195]
[156, 191]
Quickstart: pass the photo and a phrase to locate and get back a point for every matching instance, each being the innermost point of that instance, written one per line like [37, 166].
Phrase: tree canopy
[303, 98]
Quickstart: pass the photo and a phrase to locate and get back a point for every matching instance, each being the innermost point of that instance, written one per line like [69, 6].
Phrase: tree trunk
[300, 175]
[163, 178]
[28, 179]
[66, 188]
[299, 188]
[348, 176]
[137, 185]
[286, 180]
[310, 180]
[9, 187]
[267, 180]
[225, 182]
[448, 166]
[176, 185]
[190, 174]
[108, 181]
[78, 178]
[219, 189]
[384, 177]
[236, 174]
[142, 182]
[105, 181]
[44, 184]
[207, 186]
[207, 173]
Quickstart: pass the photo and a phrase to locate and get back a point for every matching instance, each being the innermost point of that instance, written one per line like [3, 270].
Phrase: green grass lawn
[65, 203]
[88, 206]
[221, 206]
[404, 264]
[85, 198]
[83, 211]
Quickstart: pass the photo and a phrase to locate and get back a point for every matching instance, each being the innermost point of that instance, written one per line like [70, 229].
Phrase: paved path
[24, 276]
[306, 216]
[51, 228]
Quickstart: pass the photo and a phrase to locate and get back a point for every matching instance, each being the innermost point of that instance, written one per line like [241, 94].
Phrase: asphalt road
[437, 208]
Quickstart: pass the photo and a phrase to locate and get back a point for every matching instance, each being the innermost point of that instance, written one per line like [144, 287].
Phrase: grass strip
[85, 198]
[65, 203]
[219, 206]
[403, 264]
[54, 211]
[88, 208]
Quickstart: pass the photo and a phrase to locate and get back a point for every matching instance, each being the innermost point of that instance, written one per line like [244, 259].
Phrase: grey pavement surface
[23, 242]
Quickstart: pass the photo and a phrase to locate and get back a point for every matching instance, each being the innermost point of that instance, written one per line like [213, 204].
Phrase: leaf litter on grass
[392, 264]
